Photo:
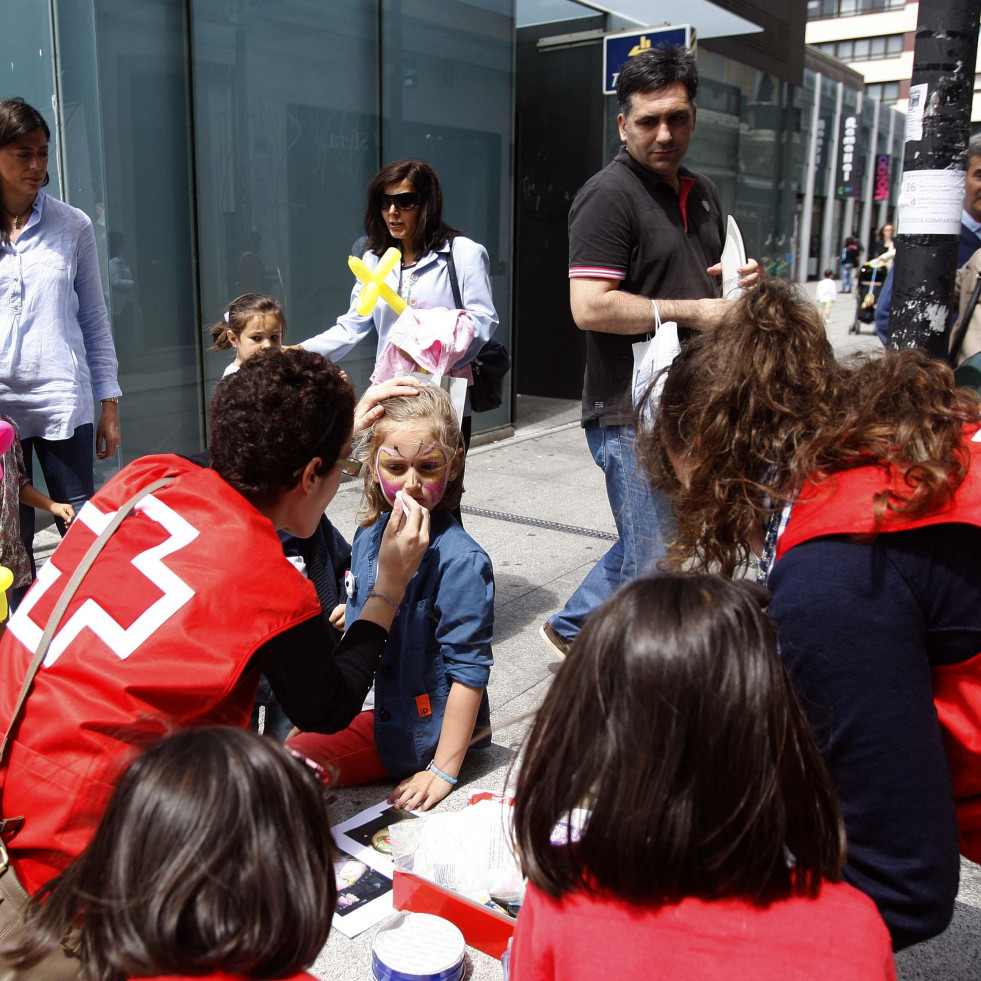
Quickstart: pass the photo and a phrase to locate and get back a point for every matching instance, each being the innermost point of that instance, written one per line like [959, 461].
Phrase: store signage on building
[848, 176]
[821, 151]
[621, 47]
[858, 176]
[881, 192]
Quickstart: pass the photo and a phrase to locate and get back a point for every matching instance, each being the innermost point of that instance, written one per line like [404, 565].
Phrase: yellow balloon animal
[374, 283]
[6, 581]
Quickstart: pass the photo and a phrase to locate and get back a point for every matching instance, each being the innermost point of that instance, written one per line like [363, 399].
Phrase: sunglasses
[350, 467]
[406, 201]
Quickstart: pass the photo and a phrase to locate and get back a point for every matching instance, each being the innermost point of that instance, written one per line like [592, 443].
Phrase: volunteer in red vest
[189, 599]
[859, 489]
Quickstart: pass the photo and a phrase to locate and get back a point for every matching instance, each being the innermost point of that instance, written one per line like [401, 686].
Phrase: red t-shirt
[838, 935]
[221, 976]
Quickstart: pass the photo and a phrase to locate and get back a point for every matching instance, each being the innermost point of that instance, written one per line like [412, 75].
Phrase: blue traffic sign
[620, 48]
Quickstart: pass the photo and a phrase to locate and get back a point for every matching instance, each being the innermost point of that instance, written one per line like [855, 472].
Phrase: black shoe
[555, 640]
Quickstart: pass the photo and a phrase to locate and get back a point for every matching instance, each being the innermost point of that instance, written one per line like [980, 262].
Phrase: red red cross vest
[157, 637]
[842, 504]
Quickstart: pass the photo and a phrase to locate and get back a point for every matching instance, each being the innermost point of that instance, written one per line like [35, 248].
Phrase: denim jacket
[441, 634]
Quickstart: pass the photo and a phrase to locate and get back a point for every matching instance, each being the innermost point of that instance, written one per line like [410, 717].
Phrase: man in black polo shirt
[643, 229]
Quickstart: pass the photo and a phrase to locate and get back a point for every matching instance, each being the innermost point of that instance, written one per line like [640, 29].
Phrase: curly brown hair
[761, 404]
[281, 409]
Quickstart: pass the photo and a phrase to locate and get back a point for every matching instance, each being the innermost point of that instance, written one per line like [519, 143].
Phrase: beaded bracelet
[439, 773]
[382, 596]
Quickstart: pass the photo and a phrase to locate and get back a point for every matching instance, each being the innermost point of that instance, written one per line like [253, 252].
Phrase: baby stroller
[871, 276]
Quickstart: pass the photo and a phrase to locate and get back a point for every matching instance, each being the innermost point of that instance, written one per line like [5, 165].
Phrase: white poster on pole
[930, 202]
[914, 114]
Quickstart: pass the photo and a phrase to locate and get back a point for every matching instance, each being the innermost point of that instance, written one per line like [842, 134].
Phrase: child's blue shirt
[441, 634]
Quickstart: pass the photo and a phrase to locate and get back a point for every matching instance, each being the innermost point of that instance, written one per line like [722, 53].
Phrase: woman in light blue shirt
[55, 341]
[405, 211]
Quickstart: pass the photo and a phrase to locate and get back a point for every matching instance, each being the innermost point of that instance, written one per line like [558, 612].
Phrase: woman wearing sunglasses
[405, 211]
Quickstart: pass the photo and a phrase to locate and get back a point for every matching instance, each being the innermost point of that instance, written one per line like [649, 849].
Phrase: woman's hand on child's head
[337, 617]
[369, 410]
[403, 545]
[64, 511]
[420, 792]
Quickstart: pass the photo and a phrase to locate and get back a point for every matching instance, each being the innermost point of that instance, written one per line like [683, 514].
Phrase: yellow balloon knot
[374, 285]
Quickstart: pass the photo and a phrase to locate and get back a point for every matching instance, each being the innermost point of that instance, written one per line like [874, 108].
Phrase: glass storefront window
[285, 101]
[27, 70]
[147, 223]
[471, 67]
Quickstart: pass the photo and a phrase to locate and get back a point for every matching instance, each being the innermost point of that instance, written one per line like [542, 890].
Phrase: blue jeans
[644, 521]
[846, 278]
[67, 468]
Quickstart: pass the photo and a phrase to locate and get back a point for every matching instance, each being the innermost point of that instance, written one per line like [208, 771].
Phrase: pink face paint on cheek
[434, 485]
[435, 489]
[388, 488]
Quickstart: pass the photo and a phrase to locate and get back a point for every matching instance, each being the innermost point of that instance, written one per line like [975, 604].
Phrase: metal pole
[938, 125]
[804, 254]
[829, 248]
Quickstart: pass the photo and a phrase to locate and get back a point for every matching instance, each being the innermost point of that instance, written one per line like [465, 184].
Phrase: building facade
[851, 168]
[876, 38]
[225, 146]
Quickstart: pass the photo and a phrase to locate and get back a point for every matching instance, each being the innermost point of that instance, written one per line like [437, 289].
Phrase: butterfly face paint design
[422, 471]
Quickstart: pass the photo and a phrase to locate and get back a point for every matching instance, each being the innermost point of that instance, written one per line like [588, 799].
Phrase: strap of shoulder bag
[66, 597]
[454, 282]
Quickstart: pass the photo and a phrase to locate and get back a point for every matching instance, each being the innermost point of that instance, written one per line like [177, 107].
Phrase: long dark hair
[214, 854]
[673, 721]
[17, 119]
[759, 405]
[431, 231]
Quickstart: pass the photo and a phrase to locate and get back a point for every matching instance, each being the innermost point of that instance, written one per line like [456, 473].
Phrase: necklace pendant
[17, 221]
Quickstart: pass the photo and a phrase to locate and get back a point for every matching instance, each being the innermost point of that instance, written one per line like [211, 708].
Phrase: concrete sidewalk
[544, 519]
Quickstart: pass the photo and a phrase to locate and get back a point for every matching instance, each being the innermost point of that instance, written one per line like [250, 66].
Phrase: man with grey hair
[645, 239]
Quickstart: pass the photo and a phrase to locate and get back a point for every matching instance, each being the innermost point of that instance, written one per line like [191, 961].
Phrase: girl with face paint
[429, 703]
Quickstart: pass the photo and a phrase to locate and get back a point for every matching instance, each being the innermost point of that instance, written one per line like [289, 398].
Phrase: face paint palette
[418, 946]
